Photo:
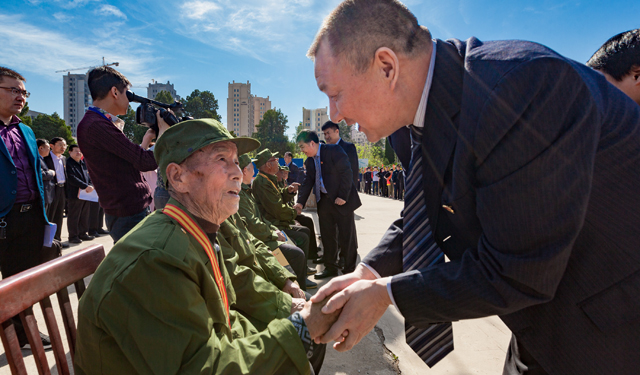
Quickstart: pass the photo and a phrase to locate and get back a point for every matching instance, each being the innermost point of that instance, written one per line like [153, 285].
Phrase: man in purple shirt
[114, 162]
[22, 217]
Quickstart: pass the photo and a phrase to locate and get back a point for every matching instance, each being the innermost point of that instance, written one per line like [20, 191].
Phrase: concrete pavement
[480, 345]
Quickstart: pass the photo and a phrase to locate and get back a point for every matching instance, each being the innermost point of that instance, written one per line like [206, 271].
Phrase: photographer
[114, 162]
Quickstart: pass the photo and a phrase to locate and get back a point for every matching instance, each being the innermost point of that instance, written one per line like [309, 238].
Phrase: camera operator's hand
[147, 138]
[162, 125]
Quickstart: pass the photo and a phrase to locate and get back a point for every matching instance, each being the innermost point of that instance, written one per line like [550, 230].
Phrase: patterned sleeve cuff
[303, 332]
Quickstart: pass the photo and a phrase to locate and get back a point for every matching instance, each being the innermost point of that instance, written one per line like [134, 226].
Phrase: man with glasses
[22, 215]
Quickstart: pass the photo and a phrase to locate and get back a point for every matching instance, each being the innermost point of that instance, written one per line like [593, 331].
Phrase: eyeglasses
[16, 91]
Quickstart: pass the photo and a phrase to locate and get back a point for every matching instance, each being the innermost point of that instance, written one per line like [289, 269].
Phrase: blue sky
[205, 44]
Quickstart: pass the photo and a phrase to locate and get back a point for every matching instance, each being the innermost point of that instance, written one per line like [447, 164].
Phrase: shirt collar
[418, 120]
[55, 156]
[318, 152]
[339, 139]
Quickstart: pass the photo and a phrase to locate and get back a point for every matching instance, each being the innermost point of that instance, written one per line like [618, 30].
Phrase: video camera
[146, 112]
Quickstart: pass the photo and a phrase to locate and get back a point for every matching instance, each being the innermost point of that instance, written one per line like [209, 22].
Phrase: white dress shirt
[59, 167]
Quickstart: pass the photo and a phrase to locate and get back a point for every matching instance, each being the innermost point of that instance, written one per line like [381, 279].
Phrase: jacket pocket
[615, 306]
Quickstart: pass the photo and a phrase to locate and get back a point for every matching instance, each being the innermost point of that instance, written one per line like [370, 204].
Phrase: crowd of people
[517, 183]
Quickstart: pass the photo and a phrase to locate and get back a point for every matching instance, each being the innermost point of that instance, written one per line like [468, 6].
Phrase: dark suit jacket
[352, 153]
[337, 178]
[48, 177]
[49, 161]
[538, 157]
[294, 173]
[77, 177]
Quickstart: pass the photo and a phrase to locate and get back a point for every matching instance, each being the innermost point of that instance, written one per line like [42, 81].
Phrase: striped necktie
[419, 250]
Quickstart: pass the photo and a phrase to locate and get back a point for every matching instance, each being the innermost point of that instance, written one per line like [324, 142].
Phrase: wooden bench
[20, 292]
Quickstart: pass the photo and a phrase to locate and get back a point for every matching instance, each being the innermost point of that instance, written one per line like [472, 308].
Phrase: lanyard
[268, 179]
[192, 227]
[100, 112]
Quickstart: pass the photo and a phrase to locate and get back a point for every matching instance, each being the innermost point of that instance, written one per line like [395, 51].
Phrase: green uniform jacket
[272, 201]
[153, 307]
[256, 223]
[256, 275]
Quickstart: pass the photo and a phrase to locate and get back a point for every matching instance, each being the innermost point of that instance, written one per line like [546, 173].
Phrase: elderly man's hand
[293, 289]
[297, 304]
[318, 322]
[293, 187]
[281, 236]
[298, 208]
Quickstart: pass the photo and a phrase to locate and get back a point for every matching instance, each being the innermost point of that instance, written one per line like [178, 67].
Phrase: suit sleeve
[307, 184]
[73, 176]
[340, 161]
[535, 148]
[353, 161]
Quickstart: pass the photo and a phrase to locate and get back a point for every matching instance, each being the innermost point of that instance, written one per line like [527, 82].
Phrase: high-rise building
[77, 99]
[313, 119]
[155, 87]
[244, 111]
[260, 106]
[358, 137]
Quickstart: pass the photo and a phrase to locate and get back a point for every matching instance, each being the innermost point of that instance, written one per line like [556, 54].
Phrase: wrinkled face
[310, 149]
[75, 154]
[59, 147]
[354, 97]
[331, 135]
[282, 175]
[247, 174]
[11, 104]
[214, 179]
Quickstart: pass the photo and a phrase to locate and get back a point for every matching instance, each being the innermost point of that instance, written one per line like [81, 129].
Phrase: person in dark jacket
[77, 179]
[48, 175]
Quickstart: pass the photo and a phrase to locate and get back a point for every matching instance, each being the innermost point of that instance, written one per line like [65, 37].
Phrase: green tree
[47, 127]
[299, 128]
[202, 104]
[132, 130]
[389, 154]
[345, 131]
[271, 132]
[23, 115]
[164, 97]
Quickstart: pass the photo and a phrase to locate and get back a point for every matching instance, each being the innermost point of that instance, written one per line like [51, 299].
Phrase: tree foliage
[23, 115]
[345, 131]
[164, 97]
[271, 132]
[51, 126]
[132, 130]
[202, 104]
[389, 154]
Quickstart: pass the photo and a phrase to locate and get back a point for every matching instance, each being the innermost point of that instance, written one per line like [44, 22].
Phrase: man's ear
[386, 62]
[176, 176]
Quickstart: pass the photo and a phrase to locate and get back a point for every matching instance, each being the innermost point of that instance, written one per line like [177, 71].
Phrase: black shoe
[86, 237]
[318, 261]
[102, 231]
[64, 245]
[46, 343]
[326, 274]
[311, 284]
[94, 233]
[75, 240]
[311, 271]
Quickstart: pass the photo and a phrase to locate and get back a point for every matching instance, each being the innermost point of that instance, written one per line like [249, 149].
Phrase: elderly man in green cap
[266, 232]
[161, 301]
[272, 202]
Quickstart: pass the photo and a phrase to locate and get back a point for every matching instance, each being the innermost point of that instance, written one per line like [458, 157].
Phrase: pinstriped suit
[537, 159]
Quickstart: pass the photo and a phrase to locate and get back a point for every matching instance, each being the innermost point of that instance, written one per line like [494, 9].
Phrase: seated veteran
[161, 301]
[272, 202]
[266, 232]
[282, 175]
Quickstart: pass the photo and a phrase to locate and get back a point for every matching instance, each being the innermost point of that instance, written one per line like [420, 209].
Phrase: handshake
[346, 309]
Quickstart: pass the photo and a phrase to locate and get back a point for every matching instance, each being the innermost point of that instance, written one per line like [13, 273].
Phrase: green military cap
[263, 157]
[284, 168]
[183, 139]
[245, 160]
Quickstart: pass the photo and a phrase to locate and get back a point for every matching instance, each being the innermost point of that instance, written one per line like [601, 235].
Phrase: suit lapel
[441, 126]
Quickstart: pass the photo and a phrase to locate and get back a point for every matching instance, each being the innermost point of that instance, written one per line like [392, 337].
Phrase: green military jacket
[153, 307]
[256, 223]
[272, 201]
[256, 275]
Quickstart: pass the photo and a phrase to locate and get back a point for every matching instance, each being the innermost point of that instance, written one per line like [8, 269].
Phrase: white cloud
[261, 29]
[43, 52]
[111, 10]
[62, 17]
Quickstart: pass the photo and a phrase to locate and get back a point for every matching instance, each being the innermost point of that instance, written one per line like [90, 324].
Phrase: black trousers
[307, 222]
[55, 211]
[331, 219]
[96, 216]
[78, 217]
[22, 247]
[298, 262]
[367, 187]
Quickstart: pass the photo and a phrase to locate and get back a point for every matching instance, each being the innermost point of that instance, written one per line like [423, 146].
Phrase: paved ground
[480, 345]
